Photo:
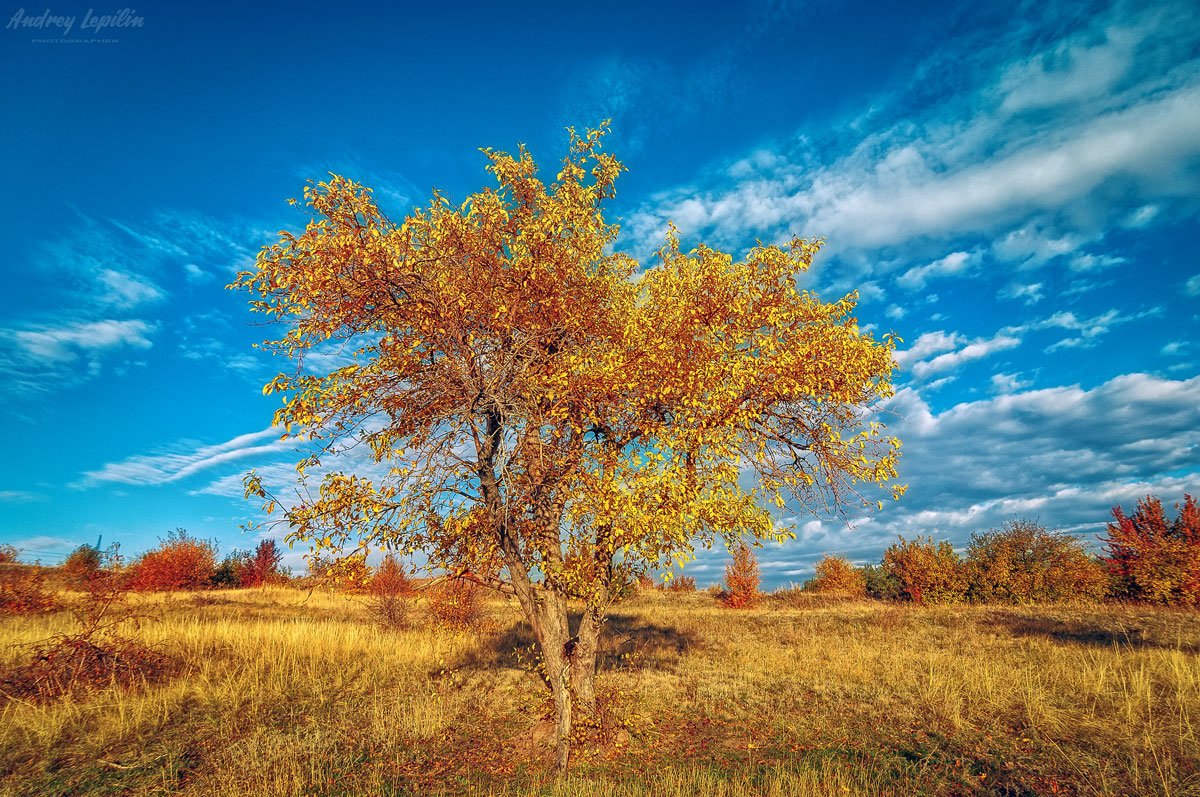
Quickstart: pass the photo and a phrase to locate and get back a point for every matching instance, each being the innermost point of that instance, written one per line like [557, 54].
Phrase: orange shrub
[9, 554]
[456, 605]
[681, 584]
[388, 591]
[179, 562]
[742, 577]
[1153, 560]
[22, 590]
[1025, 563]
[390, 578]
[927, 573]
[83, 561]
[835, 574]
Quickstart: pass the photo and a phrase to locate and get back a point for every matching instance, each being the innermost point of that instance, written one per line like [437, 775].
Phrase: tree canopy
[546, 416]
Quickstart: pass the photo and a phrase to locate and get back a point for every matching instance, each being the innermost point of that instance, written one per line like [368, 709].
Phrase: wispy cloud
[171, 466]
[1027, 176]
[974, 350]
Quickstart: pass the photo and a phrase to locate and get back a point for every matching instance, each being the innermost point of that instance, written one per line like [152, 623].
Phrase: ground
[288, 692]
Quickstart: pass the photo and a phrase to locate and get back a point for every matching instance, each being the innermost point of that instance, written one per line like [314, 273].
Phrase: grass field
[286, 692]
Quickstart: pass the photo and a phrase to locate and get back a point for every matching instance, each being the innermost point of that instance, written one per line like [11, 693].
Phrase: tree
[545, 422]
[1151, 559]
[927, 573]
[1024, 562]
[263, 566]
[835, 574]
[742, 577]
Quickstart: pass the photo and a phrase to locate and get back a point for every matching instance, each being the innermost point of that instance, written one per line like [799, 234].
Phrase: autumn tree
[262, 567]
[545, 416]
[1024, 562]
[835, 574]
[926, 572]
[1152, 559]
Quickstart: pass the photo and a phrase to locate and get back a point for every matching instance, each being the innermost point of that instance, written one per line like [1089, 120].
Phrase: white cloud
[1061, 455]
[895, 311]
[65, 343]
[927, 344]
[19, 496]
[1032, 245]
[1040, 156]
[1030, 294]
[126, 291]
[974, 350]
[955, 263]
[149, 469]
[1088, 330]
[1176, 347]
[1070, 72]
[1092, 262]
[1008, 383]
[1192, 286]
[195, 274]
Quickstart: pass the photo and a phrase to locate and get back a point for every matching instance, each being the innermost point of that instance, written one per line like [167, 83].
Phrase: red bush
[179, 562]
[1153, 560]
[742, 577]
[262, 567]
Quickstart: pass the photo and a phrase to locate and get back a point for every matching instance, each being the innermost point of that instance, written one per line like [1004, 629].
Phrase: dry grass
[285, 693]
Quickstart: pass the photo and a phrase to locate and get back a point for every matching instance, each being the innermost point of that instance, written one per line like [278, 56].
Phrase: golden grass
[283, 692]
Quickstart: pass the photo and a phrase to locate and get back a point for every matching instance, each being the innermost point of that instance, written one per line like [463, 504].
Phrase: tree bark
[583, 664]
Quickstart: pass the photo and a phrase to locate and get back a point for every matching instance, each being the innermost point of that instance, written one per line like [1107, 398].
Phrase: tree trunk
[583, 664]
[558, 671]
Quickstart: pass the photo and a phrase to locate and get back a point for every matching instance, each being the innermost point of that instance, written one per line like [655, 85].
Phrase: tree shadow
[623, 635]
[1084, 632]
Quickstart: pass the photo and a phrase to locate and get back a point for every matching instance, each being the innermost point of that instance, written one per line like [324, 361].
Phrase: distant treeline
[1146, 558]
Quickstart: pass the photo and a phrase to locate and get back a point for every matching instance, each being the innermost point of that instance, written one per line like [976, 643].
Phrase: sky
[1012, 188]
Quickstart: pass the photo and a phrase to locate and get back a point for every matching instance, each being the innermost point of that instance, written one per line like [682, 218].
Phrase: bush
[9, 554]
[179, 562]
[742, 577]
[262, 567]
[455, 605]
[1152, 560]
[94, 656]
[927, 573]
[1023, 562]
[83, 561]
[228, 574]
[388, 592]
[23, 590]
[880, 584]
[681, 584]
[835, 574]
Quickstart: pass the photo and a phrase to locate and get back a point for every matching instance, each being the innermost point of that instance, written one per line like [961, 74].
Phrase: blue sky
[1012, 188]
